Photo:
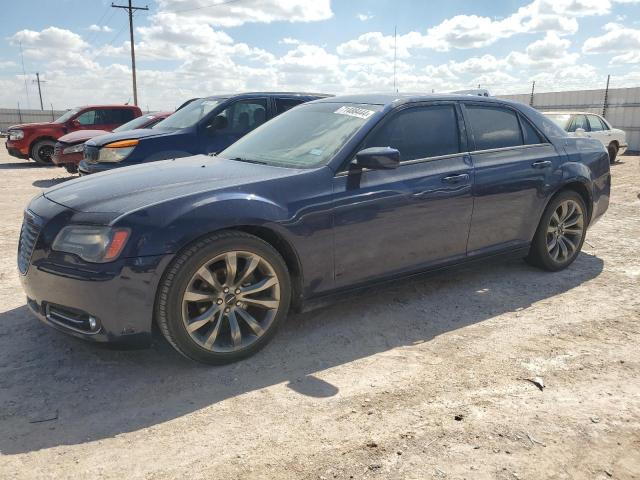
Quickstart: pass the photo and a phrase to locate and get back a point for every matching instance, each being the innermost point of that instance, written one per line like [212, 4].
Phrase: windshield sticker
[316, 151]
[355, 112]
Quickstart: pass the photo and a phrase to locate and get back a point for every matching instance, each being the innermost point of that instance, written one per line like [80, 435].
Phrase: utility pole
[130, 10]
[39, 90]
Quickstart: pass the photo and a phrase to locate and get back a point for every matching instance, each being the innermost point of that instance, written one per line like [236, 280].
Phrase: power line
[130, 9]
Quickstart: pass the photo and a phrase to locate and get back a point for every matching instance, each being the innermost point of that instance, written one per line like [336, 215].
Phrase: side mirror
[580, 131]
[75, 123]
[378, 158]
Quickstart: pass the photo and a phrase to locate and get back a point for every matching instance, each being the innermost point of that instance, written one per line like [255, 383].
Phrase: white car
[594, 126]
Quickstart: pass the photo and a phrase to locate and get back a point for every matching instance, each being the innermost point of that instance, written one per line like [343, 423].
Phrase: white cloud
[618, 39]
[363, 17]
[231, 14]
[98, 28]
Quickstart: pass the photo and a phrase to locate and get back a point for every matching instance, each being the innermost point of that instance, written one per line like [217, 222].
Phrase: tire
[42, 151]
[613, 153]
[559, 225]
[71, 168]
[197, 301]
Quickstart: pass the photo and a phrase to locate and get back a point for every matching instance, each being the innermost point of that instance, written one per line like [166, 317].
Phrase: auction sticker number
[354, 112]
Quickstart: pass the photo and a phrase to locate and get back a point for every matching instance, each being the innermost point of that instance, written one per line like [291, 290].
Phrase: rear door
[599, 130]
[395, 221]
[513, 164]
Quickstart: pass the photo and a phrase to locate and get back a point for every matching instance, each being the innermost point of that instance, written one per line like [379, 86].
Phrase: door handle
[541, 164]
[463, 177]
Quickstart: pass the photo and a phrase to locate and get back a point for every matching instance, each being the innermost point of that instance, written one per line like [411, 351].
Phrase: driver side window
[242, 117]
[419, 132]
[87, 118]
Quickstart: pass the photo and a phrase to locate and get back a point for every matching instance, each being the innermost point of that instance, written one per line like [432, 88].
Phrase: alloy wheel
[231, 301]
[565, 231]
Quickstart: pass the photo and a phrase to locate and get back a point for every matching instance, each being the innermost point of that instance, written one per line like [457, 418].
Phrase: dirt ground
[421, 379]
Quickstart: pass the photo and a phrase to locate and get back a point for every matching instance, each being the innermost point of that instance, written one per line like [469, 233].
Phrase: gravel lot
[421, 379]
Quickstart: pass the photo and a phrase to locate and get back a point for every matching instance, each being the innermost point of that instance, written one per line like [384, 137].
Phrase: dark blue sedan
[203, 125]
[335, 194]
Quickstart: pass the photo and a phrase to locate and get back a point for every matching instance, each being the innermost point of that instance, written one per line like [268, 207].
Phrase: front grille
[28, 237]
[91, 154]
[71, 318]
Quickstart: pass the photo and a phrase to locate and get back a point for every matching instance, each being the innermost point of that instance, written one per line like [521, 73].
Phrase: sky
[195, 48]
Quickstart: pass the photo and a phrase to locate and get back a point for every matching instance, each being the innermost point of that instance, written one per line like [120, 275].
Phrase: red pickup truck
[38, 140]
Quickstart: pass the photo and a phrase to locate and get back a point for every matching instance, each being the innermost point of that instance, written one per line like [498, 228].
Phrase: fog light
[93, 323]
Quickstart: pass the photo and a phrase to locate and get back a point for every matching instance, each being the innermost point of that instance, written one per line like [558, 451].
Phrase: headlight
[74, 149]
[16, 134]
[116, 151]
[93, 244]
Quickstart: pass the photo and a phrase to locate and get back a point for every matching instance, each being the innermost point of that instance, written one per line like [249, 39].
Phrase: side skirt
[329, 298]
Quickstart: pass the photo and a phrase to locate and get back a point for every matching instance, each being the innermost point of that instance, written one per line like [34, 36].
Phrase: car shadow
[25, 164]
[50, 182]
[58, 390]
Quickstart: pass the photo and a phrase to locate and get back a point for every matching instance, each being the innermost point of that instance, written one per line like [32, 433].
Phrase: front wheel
[223, 298]
[560, 234]
[42, 151]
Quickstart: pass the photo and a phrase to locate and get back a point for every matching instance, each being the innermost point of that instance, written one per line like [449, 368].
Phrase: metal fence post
[606, 98]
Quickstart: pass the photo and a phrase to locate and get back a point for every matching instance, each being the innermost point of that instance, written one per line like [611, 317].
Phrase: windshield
[66, 115]
[560, 119]
[189, 115]
[138, 122]
[304, 137]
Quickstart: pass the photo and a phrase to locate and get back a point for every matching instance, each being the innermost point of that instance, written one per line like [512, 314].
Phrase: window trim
[518, 114]
[462, 135]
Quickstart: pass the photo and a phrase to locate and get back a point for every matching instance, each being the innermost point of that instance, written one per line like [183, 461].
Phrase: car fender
[176, 224]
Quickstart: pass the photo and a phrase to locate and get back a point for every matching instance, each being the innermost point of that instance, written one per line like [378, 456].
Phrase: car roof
[401, 98]
[269, 94]
[570, 112]
[82, 107]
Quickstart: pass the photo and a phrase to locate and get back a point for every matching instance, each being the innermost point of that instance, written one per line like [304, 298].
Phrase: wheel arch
[268, 235]
[581, 189]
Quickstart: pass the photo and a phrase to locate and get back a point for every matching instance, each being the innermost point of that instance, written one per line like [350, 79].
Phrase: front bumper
[65, 291]
[120, 301]
[86, 168]
[16, 151]
[622, 149]
[61, 159]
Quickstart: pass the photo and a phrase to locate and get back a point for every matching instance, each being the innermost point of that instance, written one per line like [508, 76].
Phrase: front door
[395, 221]
[233, 123]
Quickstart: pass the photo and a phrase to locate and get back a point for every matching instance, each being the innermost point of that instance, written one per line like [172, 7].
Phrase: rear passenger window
[595, 123]
[531, 136]
[419, 132]
[494, 127]
[284, 104]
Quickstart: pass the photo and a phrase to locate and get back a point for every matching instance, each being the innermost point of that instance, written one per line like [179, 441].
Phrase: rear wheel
[223, 298]
[42, 151]
[560, 234]
[71, 167]
[613, 152]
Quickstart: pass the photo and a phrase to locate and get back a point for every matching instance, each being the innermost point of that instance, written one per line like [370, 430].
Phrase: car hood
[23, 126]
[102, 140]
[81, 136]
[124, 190]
